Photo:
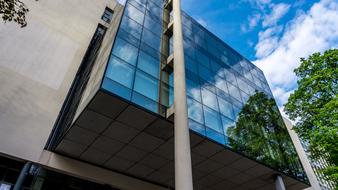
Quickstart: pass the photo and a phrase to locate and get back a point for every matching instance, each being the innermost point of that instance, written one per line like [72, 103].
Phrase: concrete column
[183, 172]
[21, 179]
[279, 182]
[39, 179]
[302, 155]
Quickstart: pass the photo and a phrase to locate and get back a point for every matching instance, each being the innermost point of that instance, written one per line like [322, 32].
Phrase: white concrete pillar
[302, 155]
[279, 182]
[183, 171]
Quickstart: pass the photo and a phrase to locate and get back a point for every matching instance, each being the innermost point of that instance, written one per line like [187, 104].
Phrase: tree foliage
[314, 106]
[260, 133]
[13, 10]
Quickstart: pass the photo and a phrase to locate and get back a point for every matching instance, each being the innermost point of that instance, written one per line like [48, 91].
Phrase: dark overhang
[120, 136]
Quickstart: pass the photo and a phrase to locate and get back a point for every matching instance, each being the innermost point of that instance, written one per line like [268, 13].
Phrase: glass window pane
[245, 96]
[227, 123]
[131, 26]
[116, 88]
[195, 110]
[153, 25]
[148, 64]
[171, 96]
[222, 94]
[208, 86]
[209, 99]
[216, 68]
[120, 72]
[216, 136]
[190, 64]
[202, 59]
[138, 4]
[145, 102]
[237, 110]
[205, 73]
[237, 67]
[171, 45]
[187, 33]
[243, 85]
[134, 13]
[193, 90]
[226, 108]
[197, 127]
[157, 2]
[234, 92]
[142, 2]
[192, 76]
[199, 39]
[188, 49]
[230, 77]
[132, 40]
[151, 39]
[221, 84]
[125, 51]
[248, 76]
[146, 85]
[212, 119]
[154, 9]
[171, 79]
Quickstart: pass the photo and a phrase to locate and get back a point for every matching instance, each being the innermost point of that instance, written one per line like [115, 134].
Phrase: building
[312, 166]
[86, 102]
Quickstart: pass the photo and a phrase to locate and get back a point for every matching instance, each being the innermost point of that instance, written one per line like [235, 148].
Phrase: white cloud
[299, 3]
[277, 12]
[267, 41]
[244, 29]
[313, 31]
[254, 20]
[260, 4]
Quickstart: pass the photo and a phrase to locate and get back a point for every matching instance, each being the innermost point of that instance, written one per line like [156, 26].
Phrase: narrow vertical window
[107, 15]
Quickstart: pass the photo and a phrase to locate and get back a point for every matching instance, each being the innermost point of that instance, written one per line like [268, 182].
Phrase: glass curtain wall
[133, 71]
[228, 98]
[230, 102]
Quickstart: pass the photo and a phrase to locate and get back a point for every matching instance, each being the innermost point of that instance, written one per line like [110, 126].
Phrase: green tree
[13, 10]
[314, 107]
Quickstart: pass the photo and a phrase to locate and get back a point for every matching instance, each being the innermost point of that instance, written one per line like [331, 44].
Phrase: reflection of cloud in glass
[134, 13]
[234, 91]
[195, 110]
[226, 108]
[131, 26]
[221, 84]
[195, 93]
[209, 99]
[125, 51]
[120, 72]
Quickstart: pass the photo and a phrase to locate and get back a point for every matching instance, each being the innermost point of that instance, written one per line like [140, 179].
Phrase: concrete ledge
[92, 173]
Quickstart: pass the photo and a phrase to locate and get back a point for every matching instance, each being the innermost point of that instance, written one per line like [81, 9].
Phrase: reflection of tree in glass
[261, 134]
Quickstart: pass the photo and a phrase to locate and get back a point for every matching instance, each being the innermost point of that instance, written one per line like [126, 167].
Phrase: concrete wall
[101, 61]
[37, 66]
